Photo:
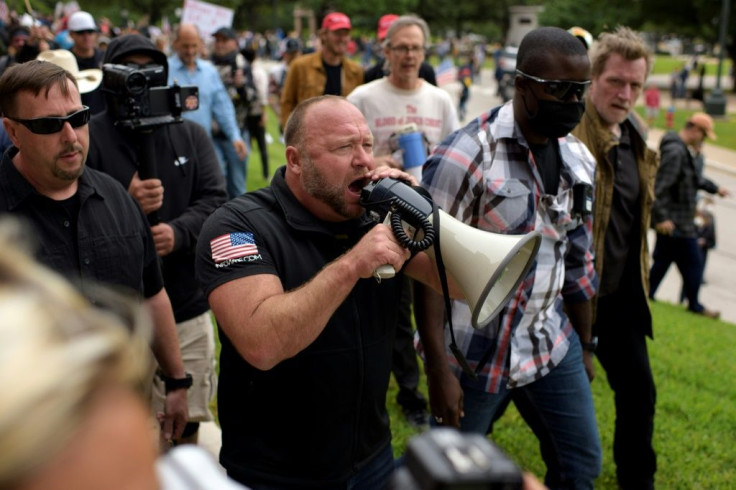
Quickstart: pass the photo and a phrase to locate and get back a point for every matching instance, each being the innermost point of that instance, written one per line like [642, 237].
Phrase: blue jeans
[233, 167]
[686, 254]
[561, 414]
[375, 475]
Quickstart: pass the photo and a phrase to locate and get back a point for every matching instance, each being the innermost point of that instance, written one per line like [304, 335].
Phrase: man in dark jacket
[185, 166]
[624, 182]
[673, 213]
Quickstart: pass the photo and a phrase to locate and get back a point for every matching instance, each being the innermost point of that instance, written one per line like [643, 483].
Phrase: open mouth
[357, 185]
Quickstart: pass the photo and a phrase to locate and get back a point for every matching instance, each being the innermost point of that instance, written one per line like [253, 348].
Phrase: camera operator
[188, 188]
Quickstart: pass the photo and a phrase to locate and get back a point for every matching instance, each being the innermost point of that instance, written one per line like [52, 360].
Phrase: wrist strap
[448, 304]
[172, 384]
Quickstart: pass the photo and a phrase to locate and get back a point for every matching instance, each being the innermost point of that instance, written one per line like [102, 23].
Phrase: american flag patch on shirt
[233, 246]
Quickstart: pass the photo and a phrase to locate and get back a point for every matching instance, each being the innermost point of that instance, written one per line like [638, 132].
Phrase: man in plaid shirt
[511, 171]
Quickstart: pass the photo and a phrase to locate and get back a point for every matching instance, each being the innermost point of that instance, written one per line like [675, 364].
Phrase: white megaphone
[488, 267]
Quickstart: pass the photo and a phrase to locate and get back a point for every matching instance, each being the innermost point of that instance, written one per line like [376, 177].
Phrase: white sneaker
[269, 138]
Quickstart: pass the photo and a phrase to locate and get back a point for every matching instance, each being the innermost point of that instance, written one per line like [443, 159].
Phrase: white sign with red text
[206, 16]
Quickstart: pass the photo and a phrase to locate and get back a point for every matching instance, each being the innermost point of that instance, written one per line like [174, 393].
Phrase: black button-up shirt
[98, 236]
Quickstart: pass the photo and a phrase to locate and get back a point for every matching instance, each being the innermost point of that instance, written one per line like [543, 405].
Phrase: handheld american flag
[445, 72]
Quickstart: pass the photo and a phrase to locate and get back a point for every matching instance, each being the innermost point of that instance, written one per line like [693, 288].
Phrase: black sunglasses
[560, 89]
[51, 125]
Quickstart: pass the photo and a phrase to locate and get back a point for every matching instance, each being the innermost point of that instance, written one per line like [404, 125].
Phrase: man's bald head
[188, 43]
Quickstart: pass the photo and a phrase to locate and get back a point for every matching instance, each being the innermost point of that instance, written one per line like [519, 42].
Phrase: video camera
[446, 459]
[141, 101]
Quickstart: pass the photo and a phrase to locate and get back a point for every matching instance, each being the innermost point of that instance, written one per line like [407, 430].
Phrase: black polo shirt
[316, 418]
[101, 236]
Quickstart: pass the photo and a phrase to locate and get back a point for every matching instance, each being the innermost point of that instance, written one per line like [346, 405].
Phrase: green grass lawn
[693, 365]
[664, 64]
[695, 426]
[275, 155]
[725, 126]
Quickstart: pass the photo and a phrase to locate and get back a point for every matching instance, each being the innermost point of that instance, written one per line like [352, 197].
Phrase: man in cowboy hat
[673, 212]
[87, 80]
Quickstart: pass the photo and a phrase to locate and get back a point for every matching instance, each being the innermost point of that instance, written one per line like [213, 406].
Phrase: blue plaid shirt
[485, 176]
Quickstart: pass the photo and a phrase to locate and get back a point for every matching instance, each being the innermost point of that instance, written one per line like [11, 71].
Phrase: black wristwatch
[172, 384]
[590, 346]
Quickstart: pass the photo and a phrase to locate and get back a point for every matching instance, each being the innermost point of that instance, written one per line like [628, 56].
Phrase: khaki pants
[197, 342]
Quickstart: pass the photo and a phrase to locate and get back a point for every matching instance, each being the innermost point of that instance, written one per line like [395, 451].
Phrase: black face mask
[555, 119]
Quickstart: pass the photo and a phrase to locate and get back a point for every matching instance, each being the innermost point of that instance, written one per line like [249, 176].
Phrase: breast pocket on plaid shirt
[510, 202]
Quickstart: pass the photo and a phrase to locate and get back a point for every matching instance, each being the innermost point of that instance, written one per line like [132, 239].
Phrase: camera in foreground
[141, 101]
[446, 459]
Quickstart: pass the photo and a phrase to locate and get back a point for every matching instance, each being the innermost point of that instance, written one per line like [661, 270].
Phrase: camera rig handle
[146, 153]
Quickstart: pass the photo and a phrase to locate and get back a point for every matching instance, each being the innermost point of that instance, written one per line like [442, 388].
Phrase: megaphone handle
[384, 272]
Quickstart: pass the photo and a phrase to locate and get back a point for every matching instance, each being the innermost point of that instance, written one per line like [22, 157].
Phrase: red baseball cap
[335, 21]
[384, 23]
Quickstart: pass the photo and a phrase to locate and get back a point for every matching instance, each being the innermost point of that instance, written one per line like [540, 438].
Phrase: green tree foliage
[687, 18]
[696, 18]
[364, 15]
[155, 9]
[592, 15]
[683, 18]
[490, 19]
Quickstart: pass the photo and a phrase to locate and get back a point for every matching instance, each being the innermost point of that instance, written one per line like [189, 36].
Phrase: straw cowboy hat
[87, 80]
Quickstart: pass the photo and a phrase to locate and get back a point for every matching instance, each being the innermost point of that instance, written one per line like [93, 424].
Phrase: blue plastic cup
[414, 152]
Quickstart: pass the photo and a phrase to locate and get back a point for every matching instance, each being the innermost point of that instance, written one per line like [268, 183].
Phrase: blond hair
[624, 42]
[57, 352]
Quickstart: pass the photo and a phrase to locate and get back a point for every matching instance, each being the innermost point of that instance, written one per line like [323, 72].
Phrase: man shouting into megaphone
[306, 330]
